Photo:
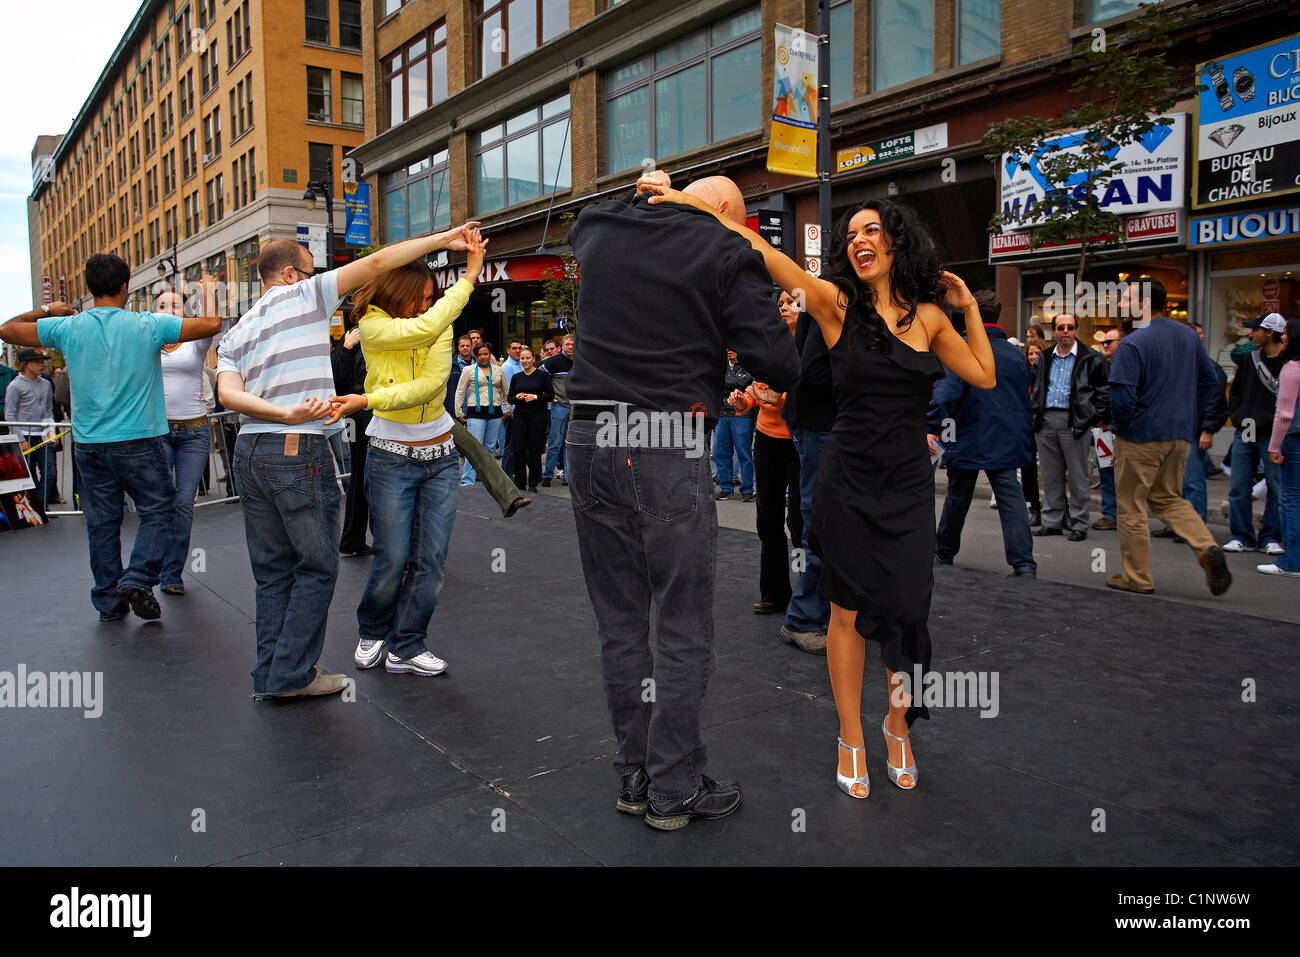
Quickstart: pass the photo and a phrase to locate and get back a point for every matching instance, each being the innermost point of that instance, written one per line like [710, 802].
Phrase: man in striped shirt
[273, 367]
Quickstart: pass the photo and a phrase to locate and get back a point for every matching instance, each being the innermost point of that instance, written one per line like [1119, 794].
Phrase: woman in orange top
[776, 482]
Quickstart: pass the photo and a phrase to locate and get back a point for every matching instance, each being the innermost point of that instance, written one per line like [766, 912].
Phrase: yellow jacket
[408, 361]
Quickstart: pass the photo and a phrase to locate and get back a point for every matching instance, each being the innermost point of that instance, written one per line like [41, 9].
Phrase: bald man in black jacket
[666, 290]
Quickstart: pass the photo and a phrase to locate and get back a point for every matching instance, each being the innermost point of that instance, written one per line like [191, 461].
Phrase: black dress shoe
[1035, 517]
[711, 800]
[634, 792]
[764, 607]
[141, 600]
[1025, 572]
[938, 560]
[361, 552]
[546, 483]
[1076, 535]
[516, 505]
[1045, 531]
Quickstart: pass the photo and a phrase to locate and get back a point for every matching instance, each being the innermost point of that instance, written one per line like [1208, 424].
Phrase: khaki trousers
[1151, 474]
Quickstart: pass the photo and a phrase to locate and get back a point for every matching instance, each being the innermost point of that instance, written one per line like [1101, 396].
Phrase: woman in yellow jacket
[411, 470]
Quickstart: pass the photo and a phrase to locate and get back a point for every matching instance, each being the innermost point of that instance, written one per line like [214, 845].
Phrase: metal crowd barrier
[223, 427]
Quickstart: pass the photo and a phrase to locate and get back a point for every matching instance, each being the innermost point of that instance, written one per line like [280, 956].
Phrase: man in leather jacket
[1071, 395]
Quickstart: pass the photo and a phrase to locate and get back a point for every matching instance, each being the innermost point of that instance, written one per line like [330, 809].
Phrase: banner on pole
[357, 198]
[792, 147]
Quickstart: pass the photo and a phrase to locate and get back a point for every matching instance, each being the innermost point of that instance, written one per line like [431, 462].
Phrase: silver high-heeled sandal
[846, 783]
[896, 773]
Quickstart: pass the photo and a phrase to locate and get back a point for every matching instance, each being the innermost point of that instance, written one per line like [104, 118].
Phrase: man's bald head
[721, 194]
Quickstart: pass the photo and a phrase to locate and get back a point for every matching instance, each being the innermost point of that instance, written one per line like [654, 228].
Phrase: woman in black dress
[879, 310]
[530, 396]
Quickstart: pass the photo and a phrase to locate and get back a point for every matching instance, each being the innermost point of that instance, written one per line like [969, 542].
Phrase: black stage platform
[1108, 703]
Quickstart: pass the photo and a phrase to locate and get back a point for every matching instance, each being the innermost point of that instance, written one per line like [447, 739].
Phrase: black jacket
[811, 404]
[665, 291]
[1089, 389]
[1249, 398]
[737, 380]
[991, 427]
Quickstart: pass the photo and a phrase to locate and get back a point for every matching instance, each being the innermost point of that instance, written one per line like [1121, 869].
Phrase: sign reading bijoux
[1248, 125]
[1150, 176]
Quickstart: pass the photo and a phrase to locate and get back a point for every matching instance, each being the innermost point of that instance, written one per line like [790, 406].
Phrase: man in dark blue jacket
[989, 431]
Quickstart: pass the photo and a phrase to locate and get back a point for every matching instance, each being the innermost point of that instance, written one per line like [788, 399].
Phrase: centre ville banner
[792, 148]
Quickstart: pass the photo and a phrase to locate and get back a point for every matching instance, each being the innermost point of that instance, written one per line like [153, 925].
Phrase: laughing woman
[880, 311]
[411, 469]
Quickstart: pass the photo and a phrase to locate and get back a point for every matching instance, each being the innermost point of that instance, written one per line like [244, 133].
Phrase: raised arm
[399, 254]
[21, 330]
[971, 358]
[819, 297]
[401, 332]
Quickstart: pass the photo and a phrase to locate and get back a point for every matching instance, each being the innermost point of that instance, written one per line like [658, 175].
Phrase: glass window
[318, 20]
[555, 158]
[1105, 9]
[902, 33]
[524, 158]
[319, 95]
[489, 180]
[508, 29]
[694, 90]
[395, 216]
[319, 156]
[679, 112]
[416, 75]
[979, 29]
[841, 52]
[350, 24]
[417, 207]
[353, 99]
[734, 98]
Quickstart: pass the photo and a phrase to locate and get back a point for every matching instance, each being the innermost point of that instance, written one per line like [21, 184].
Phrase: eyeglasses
[1065, 328]
[302, 272]
[1110, 342]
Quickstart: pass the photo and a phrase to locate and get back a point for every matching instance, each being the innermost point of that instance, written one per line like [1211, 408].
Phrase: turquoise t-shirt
[114, 369]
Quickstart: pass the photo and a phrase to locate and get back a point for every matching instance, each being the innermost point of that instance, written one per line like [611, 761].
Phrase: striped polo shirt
[282, 349]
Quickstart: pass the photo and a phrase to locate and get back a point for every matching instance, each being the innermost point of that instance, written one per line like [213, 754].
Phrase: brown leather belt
[181, 425]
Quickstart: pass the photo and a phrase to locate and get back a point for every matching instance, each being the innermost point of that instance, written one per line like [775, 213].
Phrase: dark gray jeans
[648, 531]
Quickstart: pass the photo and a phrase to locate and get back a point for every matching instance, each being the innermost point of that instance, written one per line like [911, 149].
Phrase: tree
[560, 285]
[1129, 86]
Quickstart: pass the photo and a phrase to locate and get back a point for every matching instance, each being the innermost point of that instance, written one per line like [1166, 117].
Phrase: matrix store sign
[1248, 125]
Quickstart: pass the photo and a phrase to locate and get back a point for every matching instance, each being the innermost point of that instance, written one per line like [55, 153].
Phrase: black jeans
[356, 508]
[648, 532]
[776, 480]
[527, 443]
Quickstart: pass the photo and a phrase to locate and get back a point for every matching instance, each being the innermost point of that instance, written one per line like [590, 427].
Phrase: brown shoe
[1120, 583]
[323, 683]
[764, 607]
[516, 505]
[1103, 524]
[1217, 575]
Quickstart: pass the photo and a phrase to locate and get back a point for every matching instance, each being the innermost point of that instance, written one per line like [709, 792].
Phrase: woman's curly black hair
[913, 277]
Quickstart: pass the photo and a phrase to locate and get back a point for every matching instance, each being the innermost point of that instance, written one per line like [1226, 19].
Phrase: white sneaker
[1273, 548]
[1237, 545]
[368, 653]
[559, 475]
[1274, 570]
[426, 663]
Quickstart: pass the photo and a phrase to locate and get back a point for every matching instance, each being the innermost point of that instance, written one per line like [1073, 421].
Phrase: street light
[165, 261]
[324, 188]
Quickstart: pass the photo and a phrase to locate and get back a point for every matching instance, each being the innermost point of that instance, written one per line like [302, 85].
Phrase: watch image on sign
[1247, 142]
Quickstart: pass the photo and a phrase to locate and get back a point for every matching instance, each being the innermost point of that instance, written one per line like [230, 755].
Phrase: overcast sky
[56, 51]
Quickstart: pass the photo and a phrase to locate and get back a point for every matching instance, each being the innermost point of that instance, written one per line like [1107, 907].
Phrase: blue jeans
[1289, 506]
[808, 611]
[107, 470]
[187, 454]
[291, 523]
[341, 449]
[487, 431]
[648, 535]
[1247, 457]
[1108, 493]
[43, 463]
[735, 432]
[412, 509]
[1194, 489]
[555, 440]
[1017, 540]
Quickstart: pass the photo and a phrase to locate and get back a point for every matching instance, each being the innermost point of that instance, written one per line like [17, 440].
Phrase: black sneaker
[141, 600]
[711, 800]
[722, 496]
[633, 792]
[747, 496]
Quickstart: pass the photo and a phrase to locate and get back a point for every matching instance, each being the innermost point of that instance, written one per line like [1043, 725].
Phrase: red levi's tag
[629, 462]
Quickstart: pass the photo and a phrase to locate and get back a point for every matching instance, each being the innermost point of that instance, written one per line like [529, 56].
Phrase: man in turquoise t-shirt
[118, 418]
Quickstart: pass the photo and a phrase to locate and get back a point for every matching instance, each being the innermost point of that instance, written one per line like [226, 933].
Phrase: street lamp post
[324, 187]
[172, 261]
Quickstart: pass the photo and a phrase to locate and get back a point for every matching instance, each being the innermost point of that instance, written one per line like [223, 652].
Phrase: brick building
[518, 113]
[199, 138]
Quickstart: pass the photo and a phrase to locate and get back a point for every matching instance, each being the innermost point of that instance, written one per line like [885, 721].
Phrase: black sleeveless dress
[873, 500]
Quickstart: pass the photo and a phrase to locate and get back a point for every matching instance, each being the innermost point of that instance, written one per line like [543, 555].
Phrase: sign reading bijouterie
[1244, 227]
[1248, 125]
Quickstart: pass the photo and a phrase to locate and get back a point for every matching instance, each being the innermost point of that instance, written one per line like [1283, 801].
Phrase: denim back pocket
[666, 481]
[291, 486]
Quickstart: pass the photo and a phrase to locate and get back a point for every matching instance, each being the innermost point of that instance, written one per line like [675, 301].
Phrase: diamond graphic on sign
[1153, 137]
[1225, 135]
